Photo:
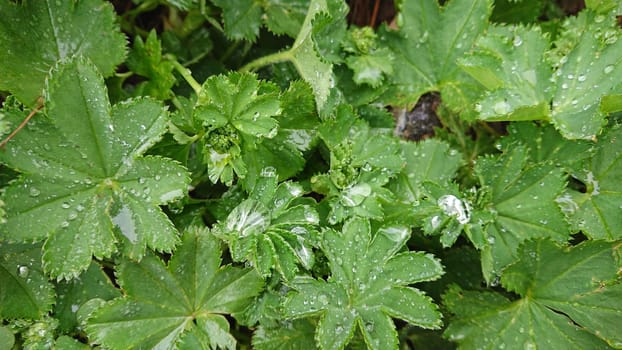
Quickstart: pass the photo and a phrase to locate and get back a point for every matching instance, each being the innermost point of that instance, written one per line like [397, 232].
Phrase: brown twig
[21, 125]
[374, 14]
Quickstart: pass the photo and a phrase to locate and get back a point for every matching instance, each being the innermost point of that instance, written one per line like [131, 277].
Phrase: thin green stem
[263, 61]
[186, 74]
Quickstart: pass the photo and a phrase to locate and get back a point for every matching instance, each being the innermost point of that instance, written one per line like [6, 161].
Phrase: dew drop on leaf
[23, 271]
[453, 206]
[125, 222]
[501, 107]
[34, 192]
[608, 69]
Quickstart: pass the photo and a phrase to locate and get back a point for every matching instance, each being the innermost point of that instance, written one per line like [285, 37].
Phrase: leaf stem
[276, 57]
[21, 125]
[186, 74]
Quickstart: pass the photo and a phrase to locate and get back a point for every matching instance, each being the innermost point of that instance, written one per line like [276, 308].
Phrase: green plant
[230, 177]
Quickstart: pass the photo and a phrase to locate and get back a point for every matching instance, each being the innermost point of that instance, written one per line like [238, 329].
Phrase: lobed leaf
[366, 287]
[567, 295]
[34, 36]
[597, 211]
[85, 176]
[181, 302]
[428, 44]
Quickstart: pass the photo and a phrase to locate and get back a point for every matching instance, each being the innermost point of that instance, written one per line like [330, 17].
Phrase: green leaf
[547, 144]
[511, 11]
[568, 295]
[84, 175]
[34, 36]
[303, 54]
[145, 59]
[236, 110]
[242, 18]
[296, 135]
[285, 17]
[289, 335]
[361, 163]
[6, 337]
[181, 300]
[368, 286]
[371, 68]
[429, 42]
[93, 283]
[25, 291]
[523, 202]
[271, 230]
[431, 160]
[511, 62]
[597, 211]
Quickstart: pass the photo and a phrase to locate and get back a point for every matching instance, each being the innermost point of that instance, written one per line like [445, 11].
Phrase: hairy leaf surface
[368, 285]
[84, 175]
[35, 35]
[568, 296]
[183, 300]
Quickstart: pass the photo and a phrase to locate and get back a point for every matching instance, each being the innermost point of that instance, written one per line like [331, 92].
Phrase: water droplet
[22, 271]
[453, 206]
[125, 222]
[65, 205]
[608, 69]
[518, 41]
[501, 107]
[34, 192]
[581, 78]
[268, 171]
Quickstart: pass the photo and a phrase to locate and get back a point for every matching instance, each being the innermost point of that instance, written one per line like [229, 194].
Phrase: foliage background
[298, 174]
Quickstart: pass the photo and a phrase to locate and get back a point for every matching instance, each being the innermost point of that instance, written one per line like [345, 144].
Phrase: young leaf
[84, 174]
[368, 285]
[25, 291]
[235, 110]
[431, 160]
[597, 211]
[296, 134]
[361, 163]
[242, 18]
[270, 230]
[179, 302]
[429, 42]
[34, 36]
[145, 59]
[511, 63]
[568, 297]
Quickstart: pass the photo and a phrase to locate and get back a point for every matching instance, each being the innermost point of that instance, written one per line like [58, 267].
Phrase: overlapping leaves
[368, 285]
[568, 297]
[429, 42]
[179, 304]
[273, 228]
[360, 165]
[511, 62]
[85, 190]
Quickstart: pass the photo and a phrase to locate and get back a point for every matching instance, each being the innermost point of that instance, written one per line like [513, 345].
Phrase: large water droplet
[125, 222]
[453, 206]
[23, 271]
[608, 69]
[501, 107]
